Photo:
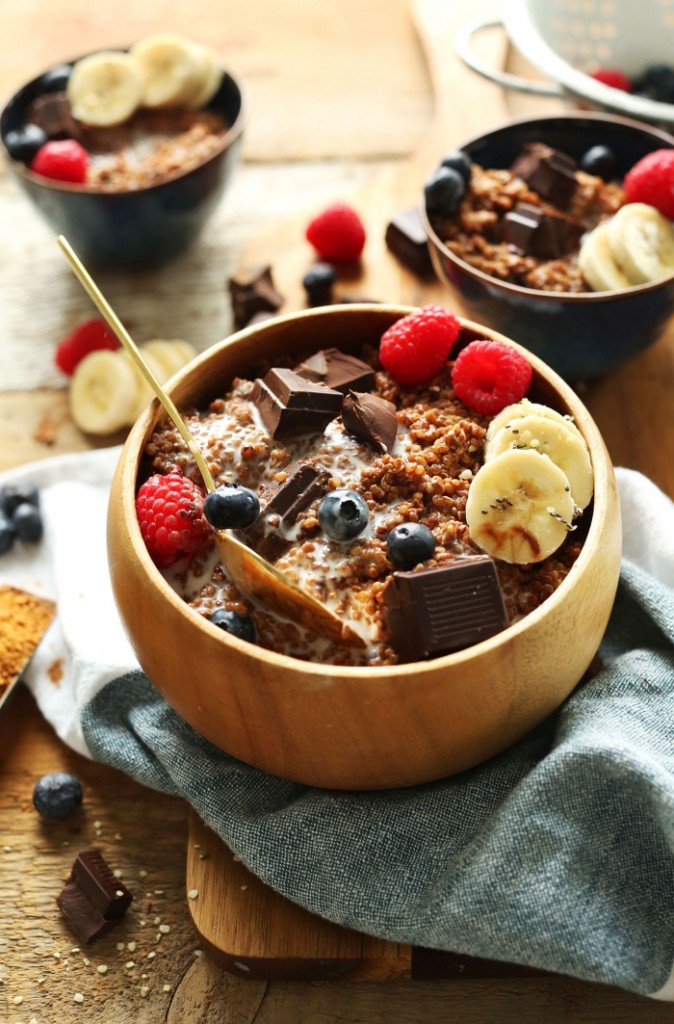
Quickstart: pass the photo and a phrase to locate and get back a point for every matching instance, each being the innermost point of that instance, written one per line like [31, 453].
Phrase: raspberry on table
[613, 77]
[171, 518]
[63, 160]
[337, 234]
[651, 181]
[90, 336]
[417, 347]
[489, 375]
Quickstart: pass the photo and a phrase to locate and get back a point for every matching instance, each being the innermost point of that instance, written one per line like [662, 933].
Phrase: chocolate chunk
[443, 609]
[92, 900]
[52, 113]
[371, 419]
[252, 292]
[337, 370]
[541, 233]
[290, 404]
[406, 238]
[548, 172]
[296, 493]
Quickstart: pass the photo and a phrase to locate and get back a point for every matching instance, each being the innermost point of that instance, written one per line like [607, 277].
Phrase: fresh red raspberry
[611, 76]
[417, 347]
[171, 518]
[62, 159]
[337, 234]
[651, 181]
[488, 375]
[88, 337]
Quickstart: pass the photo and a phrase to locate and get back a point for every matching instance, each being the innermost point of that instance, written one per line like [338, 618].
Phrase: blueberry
[343, 514]
[57, 796]
[318, 282]
[409, 544]
[458, 161]
[27, 522]
[7, 534]
[599, 160]
[443, 192]
[56, 79]
[241, 626]
[23, 143]
[14, 495]
[231, 507]
[657, 82]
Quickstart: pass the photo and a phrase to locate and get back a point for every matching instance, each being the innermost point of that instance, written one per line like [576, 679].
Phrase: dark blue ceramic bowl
[584, 335]
[133, 229]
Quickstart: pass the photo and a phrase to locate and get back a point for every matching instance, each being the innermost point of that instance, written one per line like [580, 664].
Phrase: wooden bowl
[345, 727]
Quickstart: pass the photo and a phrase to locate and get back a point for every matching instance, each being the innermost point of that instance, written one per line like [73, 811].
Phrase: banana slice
[526, 408]
[105, 88]
[519, 507]
[172, 355]
[597, 263]
[642, 242]
[103, 393]
[142, 393]
[172, 67]
[547, 437]
[211, 76]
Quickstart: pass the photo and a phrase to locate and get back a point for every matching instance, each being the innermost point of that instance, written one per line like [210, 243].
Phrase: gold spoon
[251, 573]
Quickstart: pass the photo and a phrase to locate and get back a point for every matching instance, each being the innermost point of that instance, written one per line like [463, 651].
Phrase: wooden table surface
[345, 101]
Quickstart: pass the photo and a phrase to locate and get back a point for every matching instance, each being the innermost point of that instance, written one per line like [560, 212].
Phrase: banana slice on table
[103, 393]
[105, 88]
[642, 242]
[172, 355]
[597, 262]
[519, 507]
[547, 437]
[526, 408]
[173, 69]
[142, 391]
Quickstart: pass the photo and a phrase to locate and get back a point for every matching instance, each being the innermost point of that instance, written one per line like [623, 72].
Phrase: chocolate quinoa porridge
[423, 477]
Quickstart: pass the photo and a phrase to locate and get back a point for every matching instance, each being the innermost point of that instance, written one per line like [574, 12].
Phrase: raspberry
[62, 159]
[337, 234]
[171, 519]
[612, 77]
[489, 375]
[651, 181]
[417, 347]
[88, 337]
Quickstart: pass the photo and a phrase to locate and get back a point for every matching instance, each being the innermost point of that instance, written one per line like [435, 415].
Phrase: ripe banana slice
[173, 69]
[519, 507]
[642, 242]
[103, 393]
[211, 76]
[597, 262]
[105, 88]
[526, 408]
[142, 393]
[547, 437]
[171, 355]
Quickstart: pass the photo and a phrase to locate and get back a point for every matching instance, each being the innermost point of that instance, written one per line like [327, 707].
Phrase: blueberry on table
[241, 626]
[410, 544]
[231, 507]
[458, 161]
[56, 79]
[23, 143]
[27, 522]
[343, 514]
[443, 192]
[7, 533]
[57, 796]
[599, 160]
[318, 282]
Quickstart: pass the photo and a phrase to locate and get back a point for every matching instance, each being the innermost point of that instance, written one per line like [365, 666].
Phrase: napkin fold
[557, 854]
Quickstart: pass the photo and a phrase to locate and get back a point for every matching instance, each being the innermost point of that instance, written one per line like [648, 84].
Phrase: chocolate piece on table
[337, 370]
[406, 238]
[290, 404]
[443, 609]
[52, 113]
[371, 419]
[252, 292]
[547, 171]
[541, 233]
[93, 899]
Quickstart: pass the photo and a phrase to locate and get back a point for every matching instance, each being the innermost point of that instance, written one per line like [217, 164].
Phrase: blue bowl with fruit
[558, 230]
[127, 152]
